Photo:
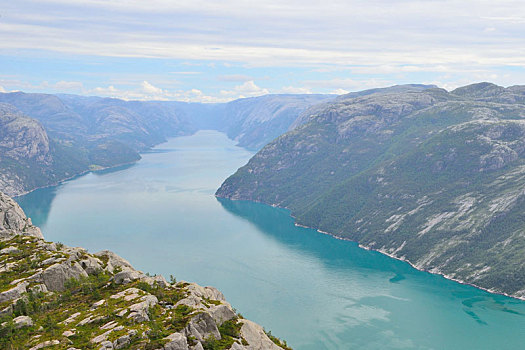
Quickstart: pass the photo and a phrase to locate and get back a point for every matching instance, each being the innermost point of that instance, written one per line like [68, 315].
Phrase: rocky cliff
[424, 175]
[28, 157]
[58, 297]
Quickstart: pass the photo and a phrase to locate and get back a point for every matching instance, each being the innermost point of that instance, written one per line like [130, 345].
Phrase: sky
[217, 51]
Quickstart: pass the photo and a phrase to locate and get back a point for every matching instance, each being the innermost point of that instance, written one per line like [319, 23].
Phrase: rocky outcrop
[101, 301]
[13, 220]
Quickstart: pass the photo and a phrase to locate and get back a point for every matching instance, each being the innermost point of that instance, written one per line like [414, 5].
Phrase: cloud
[273, 33]
[146, 91]
[2, 89]
[247, 89]
[150, 89]
[110, 91]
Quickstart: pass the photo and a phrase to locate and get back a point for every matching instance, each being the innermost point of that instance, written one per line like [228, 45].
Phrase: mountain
[81, 133]
[421, 174]
[255, 121]
[29, 158]
[56, 296]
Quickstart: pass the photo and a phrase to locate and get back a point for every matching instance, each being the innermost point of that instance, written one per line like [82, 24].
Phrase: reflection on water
[315, 291]
[37, 204]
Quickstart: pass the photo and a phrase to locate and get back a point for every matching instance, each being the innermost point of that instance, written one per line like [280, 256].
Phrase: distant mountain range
[433, 177]
[49, 138]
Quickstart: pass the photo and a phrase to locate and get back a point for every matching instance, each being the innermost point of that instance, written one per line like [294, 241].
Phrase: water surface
[308, 288]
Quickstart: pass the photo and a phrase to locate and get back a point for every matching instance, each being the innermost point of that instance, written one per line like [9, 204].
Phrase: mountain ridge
[426, 176]
[93, 133]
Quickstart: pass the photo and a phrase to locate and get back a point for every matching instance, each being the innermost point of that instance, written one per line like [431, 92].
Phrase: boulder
[45, 344]
[139, 311]
[221, 313]
[55, 276]
[122, 341]
[128, 275]
[177, 341]
[113, 260]
[205, 292]
[202, 326]
[23, 321]
[14, 293]
[91, 265]
[13, 221]
[159, 280]
[256, 337]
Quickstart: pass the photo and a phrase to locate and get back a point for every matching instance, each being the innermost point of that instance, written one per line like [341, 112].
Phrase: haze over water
[308, 288]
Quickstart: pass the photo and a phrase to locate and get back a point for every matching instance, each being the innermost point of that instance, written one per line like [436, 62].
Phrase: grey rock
[201, 327]
[106, 345]
[9, 250]
[114, 260]
[13, 221]
[197, 346]
[128, 275]
[45, 344]
[159, 280]
[55, 276]
[91, 265]
[23, 321]
[255, 336]
[14, 293]
[177, 341]
[139, 311]
[221, 313]
[122, 341]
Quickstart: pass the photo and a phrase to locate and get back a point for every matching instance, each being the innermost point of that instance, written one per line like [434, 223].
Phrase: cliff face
[24, 149]
[66, 298]
[421, 174]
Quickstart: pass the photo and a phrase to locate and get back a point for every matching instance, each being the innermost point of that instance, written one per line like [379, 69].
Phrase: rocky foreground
[58, 297]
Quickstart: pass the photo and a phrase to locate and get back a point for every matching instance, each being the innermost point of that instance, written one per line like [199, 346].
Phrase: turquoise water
[308, 288]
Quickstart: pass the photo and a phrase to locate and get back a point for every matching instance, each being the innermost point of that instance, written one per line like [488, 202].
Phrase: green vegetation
[93, 308]
[431, 176]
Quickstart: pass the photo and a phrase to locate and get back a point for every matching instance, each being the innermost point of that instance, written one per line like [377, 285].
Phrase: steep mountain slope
[253, 122]
[432, 177]
[28, 158]
[66, 298]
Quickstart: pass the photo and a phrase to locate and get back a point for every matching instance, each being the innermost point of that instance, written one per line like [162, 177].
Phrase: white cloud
[247, 89]
[146, 91]
[150, 89]
[107, 91]
[2, 89]
[273, 32]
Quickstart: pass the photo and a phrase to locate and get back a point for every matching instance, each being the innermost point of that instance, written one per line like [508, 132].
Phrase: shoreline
[390, 255]
[72, 177]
